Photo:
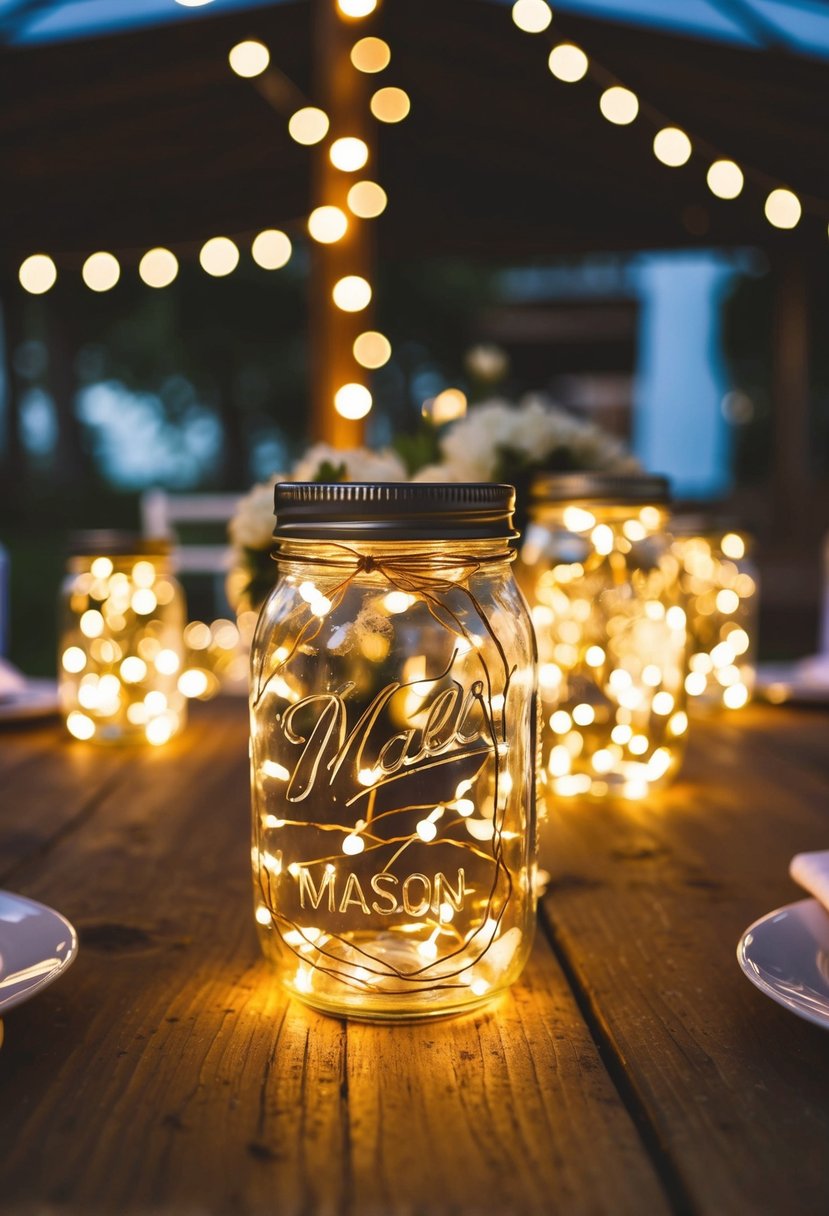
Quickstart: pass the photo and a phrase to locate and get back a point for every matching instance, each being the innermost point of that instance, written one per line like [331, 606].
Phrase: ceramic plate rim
[29, 990]
[761, 983]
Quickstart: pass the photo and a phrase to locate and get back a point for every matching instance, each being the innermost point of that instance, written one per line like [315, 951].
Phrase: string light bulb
[219, 256]
[672, 147]
[367, 200]
[348, 153]
[101, 271]
[783, 209]
[308, 126]
[37, 274]
[568, 62]
[271, 249]
[532, 16]
[352, 293]
[447, 406]
[371, 55]
[372, 349]
[390, 104]
[352, 401]
[356, 8]
[724, 178]
[158, 267]
[327, 224]
[619, 105]
[249, 58]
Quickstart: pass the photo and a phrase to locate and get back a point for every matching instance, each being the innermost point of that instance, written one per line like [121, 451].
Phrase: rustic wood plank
[166, 1073]
[646, 906]
[41, 796]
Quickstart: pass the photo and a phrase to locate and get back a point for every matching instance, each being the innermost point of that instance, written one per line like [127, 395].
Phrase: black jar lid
[622, 488]
[112, 543]
[396, 510]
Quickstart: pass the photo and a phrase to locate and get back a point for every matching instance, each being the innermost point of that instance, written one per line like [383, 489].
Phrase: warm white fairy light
[370, 55]
[158, 267]
[619, 105]
[783, 209]
[101, 271]
[249, 58]
[725, 178]
[271, 249]
[348, 153]
[352, 401]
[372, 349]
[352, 293]
[327, 224]
[568, 62]
[308, 125]
[532, 16]
[219, 256]
[447, 406]
[390, 104]
[37, 274]
[367, 200]
[672, 147]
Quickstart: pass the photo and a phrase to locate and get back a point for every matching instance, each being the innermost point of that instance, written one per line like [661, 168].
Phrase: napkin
[12, 683]
[811, 870]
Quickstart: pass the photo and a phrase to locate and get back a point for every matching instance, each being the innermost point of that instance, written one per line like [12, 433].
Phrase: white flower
[360, 464]
[438, 473]
[252, 524]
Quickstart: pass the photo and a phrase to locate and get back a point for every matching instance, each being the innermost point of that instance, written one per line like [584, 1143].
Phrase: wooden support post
[790, 389]
[344, 94]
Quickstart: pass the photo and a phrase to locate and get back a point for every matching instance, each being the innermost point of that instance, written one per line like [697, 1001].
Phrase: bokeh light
[249, 58]
[352, 293]
[327, 224]
[356, 8]
[101, 271]
[158, 267]
[390, 104]
[348, 153]
[619, 105]
[308, 126]
[372, 349]
[271, 249]
[37, 274]
[567, 62]
[367, 200]
[672, 147]
[783, 208]
[352, 401]
[219, 256]
[370, 55]
[532, 16]
[725, 179]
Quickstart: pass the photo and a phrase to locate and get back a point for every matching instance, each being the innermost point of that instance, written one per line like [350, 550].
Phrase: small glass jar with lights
[121, 641]
[721, 584]
[604, 587]
[393, 729]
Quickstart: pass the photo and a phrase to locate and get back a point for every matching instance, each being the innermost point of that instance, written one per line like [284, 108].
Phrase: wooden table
[633, 1070]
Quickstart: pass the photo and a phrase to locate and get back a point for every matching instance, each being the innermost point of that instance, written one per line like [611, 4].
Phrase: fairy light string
[430, 578]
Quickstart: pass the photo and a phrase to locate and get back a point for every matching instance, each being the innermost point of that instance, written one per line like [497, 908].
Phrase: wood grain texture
[646, 906]
[167, 1074]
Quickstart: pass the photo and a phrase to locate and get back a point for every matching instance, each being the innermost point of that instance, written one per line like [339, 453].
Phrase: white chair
[162, 514]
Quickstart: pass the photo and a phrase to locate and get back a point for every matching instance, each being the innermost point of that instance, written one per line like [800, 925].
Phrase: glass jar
[721, 583]
[597, 568]
[122, 618]
[393, 724]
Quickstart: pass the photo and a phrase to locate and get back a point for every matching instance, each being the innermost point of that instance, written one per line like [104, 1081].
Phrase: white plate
[786, 954]
[39, 699]
[36, 945]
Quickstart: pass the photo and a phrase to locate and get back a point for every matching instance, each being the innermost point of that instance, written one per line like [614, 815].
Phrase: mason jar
[604, 586]
[122, 618]
[721, 583]
[393, 739]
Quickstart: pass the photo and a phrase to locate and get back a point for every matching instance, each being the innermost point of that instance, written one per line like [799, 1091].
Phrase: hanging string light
[101, 271]
[348, 153]
[271, 249]
[308, 126]
[372, 349]
[370, 55]
[390, 105]
[327, 224]
[158, 267]
[367, 200]
[219, 256]
[249, 58]
[37, 274]
[671, 145]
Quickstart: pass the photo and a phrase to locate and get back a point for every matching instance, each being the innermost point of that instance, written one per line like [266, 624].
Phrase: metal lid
[397, 510]
[110, 543]
[697, 523]
[622, 488]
